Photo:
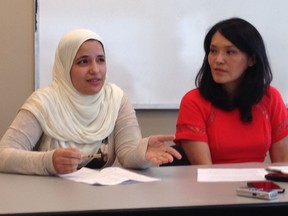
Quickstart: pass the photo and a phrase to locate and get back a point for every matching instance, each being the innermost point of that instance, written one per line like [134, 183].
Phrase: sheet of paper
[106, 176]
[227, 174]
[282, 169]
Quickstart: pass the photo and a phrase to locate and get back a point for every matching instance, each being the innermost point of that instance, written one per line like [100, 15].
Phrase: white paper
[106, 176]
[282, 169]
[227, 174]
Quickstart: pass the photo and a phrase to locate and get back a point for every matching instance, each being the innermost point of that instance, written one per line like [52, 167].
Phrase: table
[178, 193]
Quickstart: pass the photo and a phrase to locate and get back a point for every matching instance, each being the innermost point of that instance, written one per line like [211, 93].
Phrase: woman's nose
[220, 58]
[94, 68]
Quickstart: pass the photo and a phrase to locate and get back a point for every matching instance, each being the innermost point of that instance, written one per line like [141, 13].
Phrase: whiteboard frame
[173, 106]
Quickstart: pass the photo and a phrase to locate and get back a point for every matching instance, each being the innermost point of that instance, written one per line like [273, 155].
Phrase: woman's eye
[82, 61]
[102, 60]
[213, 51]
[230, 52]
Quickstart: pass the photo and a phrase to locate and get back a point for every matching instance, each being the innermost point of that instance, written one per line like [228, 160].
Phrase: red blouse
[229, 139]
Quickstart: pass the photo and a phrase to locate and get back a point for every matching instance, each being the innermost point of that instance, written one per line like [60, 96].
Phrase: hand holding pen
[66, 160]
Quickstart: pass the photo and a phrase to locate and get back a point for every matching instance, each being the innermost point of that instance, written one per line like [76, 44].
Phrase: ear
[251, 60]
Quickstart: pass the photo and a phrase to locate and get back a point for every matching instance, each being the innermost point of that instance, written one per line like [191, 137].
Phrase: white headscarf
[67, 117]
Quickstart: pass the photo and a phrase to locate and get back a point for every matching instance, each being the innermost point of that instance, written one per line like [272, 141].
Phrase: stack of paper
[282, 169]
[227, 175]
[106, 176]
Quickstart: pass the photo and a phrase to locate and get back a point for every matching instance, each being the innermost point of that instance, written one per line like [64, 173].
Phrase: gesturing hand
[158, 152]
[66, 160]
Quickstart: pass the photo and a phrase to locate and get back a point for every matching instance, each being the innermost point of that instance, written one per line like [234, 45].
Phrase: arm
[279, 151]
[197, 152]
[17, 150]
[191, 132]
[129, 146]
[158, 152]
[133, 151]
[279, 117]
[17, 144]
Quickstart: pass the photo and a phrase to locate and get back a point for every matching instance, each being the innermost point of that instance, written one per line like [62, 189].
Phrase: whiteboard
[154, 48]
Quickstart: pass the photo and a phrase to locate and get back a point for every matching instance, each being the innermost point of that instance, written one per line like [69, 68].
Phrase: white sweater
[18, 146]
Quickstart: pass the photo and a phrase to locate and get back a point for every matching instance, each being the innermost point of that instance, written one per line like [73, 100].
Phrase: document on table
[106, 176]
[281, 169]
[228, 175]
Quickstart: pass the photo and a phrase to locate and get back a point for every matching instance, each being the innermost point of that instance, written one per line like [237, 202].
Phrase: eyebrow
[83, 56]
[80, 57]
[229, 46]
[87, 56]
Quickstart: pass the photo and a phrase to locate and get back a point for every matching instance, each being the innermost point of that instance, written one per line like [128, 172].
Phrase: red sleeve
[278, 114]
[193, 114]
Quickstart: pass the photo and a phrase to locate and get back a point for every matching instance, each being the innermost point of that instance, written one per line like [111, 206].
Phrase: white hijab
[67, 117]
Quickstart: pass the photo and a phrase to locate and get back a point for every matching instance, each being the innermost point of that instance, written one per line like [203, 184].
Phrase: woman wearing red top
[233, 115]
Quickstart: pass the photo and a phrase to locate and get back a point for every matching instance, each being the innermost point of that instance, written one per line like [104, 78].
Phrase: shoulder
[273, 100]
[194, 102]
[112, 92]
[272, 90]
[40, 99]
[113, 87]
[119, 94]
[273, 95]
[194, 96]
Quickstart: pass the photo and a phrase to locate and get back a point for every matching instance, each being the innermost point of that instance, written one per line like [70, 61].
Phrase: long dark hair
[255, 80]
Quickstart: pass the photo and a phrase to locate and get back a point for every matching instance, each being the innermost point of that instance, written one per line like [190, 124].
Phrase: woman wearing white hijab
[79, 114]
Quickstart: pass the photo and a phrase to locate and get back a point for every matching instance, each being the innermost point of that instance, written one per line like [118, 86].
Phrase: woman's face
[227, 62]
[88, 71]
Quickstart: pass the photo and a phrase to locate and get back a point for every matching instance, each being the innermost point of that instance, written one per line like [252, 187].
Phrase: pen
[92, 156]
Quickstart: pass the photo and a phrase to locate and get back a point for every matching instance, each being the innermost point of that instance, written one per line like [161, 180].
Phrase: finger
[174, 152]
[66, 164]
[70, 161]
[66, 158]
[157, 162]
[72, 153]
[162, 159]
[164, 138]
[66, 169]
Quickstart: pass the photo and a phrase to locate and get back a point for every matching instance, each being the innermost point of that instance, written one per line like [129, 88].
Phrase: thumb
[162, 138]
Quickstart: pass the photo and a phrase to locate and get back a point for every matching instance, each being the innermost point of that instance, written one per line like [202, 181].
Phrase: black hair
[256, 78]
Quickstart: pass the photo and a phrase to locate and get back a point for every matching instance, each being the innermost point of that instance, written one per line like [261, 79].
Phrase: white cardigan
[18, 154]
